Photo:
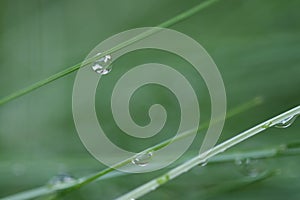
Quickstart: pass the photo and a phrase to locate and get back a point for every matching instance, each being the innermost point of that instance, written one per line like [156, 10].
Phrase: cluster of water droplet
[103, 65]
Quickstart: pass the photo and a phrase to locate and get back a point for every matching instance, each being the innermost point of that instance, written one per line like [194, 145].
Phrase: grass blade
[88, 179]
[202, 158]
[69, 70]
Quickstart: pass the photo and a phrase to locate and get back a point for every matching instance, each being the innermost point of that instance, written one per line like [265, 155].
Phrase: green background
[255, 44]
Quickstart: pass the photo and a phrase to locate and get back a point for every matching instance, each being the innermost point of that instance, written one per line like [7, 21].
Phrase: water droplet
[103, 65]
[287, 122]
[61, 180]
[244, 161]
[142, 159]
[238, 162]
[250, 167]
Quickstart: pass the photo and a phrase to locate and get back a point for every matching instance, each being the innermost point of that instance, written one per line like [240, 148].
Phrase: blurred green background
[255, 44]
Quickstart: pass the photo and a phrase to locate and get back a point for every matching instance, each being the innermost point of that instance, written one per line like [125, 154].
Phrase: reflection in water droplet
[287, 122]
[61, 180]
[103, 65]
[142, 159]
[250, 167]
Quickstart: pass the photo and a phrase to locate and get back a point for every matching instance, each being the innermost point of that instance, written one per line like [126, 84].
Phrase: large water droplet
[61, 180]
[142, 159]
[287, 122]
[103, 65]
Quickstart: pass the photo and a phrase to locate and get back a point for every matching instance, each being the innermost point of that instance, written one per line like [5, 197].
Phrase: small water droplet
[287, 122]
[142, 159]
[250, 167]
[103, 65]
[61, 180]
[244, 161]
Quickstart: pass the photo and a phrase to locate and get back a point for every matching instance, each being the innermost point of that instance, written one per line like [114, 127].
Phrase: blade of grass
[202, 158]
[85, 180]
[71, 69]
[283, 150]
[231, 113]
